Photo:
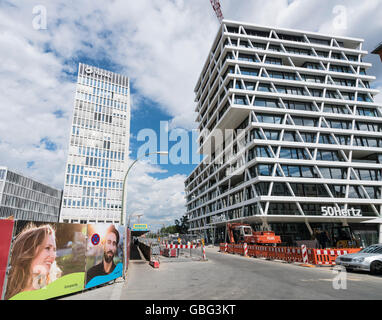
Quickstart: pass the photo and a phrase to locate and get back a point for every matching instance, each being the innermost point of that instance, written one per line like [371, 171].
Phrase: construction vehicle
[243, 233]
[344, 237]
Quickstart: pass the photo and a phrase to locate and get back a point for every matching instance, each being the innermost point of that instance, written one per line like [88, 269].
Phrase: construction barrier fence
[76, 253]
[288, 254]
[184, 252]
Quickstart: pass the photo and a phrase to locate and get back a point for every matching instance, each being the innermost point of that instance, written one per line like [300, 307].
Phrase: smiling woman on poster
[33, 260]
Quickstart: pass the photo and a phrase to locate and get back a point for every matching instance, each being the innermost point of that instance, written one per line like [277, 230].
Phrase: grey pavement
[226, 277]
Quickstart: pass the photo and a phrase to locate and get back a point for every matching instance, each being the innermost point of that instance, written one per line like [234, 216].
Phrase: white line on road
[316, 280]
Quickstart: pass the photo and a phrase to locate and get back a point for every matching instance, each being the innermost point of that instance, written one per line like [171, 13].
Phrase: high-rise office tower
[98, 148]
[302, 135]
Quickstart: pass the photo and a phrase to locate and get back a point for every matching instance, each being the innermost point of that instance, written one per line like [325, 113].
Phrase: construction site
[286, 203]
[263, 196]
[234, 272]
[279, 158]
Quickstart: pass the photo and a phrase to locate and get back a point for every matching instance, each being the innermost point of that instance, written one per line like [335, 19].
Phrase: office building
[291, 134]
[24, 198]
[98, 148]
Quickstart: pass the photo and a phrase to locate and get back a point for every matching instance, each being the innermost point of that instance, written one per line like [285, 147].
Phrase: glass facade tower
[290, 130]
[98, 148]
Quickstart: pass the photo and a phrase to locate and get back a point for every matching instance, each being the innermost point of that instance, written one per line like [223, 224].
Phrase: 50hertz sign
[337, 212]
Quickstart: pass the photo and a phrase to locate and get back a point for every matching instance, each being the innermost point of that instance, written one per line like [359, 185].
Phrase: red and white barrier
[304, 254]
[328, 256]
[245, 250]
[180, 246]
[289, 254]
[170, 252]
[204, 252]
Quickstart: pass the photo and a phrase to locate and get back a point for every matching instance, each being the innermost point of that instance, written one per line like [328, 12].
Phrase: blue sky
[150, 115]
[161, 45]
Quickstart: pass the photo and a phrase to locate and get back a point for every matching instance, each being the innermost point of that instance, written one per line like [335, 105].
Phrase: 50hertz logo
[332, 211]
[90, 70]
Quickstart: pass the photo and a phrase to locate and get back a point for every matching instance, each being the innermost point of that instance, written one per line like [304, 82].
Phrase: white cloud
[160, 200]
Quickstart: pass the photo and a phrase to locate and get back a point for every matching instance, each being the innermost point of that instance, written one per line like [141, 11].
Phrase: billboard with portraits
[46, 260]
[6, 229]
[104, 254]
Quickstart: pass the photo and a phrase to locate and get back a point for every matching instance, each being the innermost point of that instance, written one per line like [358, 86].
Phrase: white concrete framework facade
[289, 128]
[24, 198]
[98, 147]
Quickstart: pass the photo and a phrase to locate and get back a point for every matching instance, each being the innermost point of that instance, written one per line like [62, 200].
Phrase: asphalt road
[225, 277]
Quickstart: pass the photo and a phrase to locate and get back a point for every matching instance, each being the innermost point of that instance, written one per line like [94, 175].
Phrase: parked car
[368, 259]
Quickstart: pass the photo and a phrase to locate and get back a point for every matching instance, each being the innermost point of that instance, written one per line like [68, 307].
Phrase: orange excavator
[243, 233]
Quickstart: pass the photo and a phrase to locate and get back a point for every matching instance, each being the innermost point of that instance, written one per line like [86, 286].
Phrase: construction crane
[216, 6]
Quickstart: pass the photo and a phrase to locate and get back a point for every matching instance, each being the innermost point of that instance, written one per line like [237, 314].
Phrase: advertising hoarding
[47, 260]
[6, 229]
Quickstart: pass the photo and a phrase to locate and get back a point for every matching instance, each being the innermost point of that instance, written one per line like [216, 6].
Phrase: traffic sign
[95, 239]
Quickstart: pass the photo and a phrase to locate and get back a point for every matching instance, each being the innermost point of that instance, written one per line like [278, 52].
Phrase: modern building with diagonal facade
[291, 134]
[98, 148]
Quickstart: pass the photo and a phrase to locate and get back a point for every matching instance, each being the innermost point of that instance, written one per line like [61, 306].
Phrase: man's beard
[108, 258]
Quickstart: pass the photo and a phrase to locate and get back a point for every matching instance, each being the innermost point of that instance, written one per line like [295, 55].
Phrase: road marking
[316, 280]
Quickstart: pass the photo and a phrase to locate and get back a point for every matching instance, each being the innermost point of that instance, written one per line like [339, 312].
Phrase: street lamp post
[123, 213]
[134, 215]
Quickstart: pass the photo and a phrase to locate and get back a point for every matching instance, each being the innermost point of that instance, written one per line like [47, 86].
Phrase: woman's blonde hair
[24, 250]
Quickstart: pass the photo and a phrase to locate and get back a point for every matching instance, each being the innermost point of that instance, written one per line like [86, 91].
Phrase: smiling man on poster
[106, 266]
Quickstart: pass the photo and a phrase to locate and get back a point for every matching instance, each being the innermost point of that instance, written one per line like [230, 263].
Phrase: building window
[328, 155]
[283, 209]
[294, 153]
[269, 118]
[269, 103]
[276, 61]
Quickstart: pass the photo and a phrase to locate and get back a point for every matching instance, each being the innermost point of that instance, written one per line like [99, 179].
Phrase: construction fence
[288, 254]
[79, 251]
[164, 252]
[191, 252]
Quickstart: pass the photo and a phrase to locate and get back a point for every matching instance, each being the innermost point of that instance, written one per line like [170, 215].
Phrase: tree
[182, 225]
[168, 230]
